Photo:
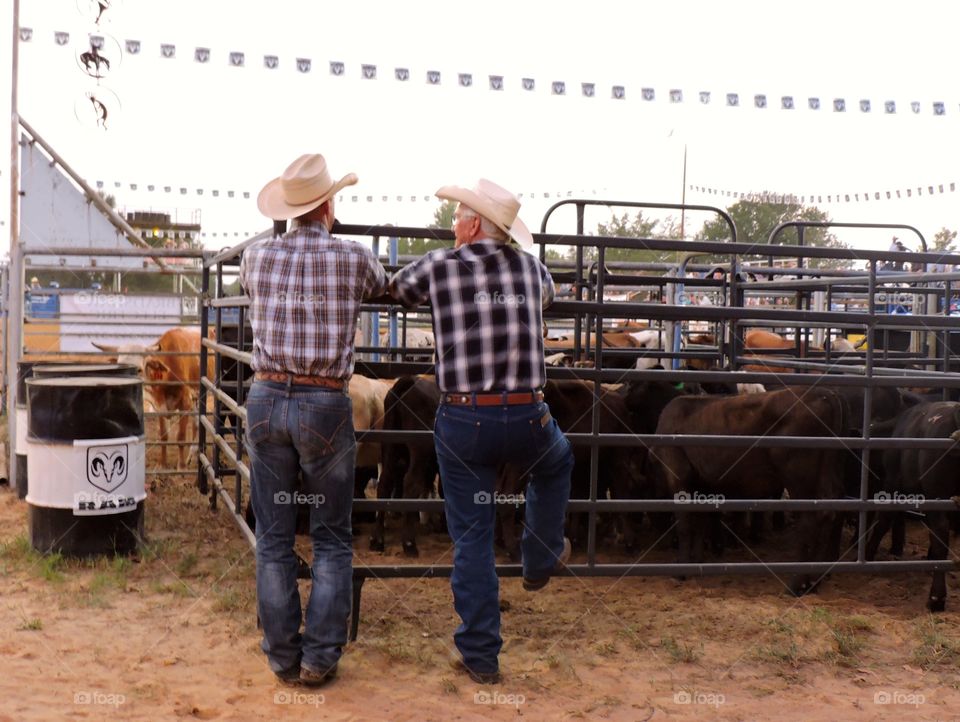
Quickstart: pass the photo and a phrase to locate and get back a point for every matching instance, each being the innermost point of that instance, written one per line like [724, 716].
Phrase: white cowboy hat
[492, 202]
[304, 185]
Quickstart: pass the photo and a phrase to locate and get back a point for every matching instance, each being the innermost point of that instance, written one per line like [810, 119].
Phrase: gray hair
[489, 228]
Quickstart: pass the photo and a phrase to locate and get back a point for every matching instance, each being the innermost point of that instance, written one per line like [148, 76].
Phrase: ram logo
[107, 466]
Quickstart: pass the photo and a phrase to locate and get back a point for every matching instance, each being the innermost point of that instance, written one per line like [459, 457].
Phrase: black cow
[619, 469]
[930, 473]
[408, 469]
[694, 473]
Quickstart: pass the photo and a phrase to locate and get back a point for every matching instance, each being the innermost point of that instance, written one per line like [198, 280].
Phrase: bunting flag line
[818, 198]
[206, 55]
[380, 197]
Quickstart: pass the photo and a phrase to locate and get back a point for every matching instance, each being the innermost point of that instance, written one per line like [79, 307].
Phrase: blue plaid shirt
[487, 300]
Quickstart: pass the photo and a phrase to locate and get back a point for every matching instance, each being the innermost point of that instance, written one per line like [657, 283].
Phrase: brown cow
[760, 340]
[367, 396]
[715, 473]
[158, 369]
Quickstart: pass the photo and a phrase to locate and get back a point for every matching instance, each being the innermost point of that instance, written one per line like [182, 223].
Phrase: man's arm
[242, 276]
[547, 290]
[411, 284]
[375, 285]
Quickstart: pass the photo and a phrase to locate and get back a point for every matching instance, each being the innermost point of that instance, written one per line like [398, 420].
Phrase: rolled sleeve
[547, 290]
[411, 284]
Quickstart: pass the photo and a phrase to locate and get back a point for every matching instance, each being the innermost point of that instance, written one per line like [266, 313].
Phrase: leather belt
[297, 380]
[502, 398]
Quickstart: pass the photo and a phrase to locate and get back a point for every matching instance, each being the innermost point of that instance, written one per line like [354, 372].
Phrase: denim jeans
[471, 444]
[302, 431]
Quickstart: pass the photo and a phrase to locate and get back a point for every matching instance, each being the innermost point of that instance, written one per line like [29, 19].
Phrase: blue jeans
[472, 442]
[302, 431]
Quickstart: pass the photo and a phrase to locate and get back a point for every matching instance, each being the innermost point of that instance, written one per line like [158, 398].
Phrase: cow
[173, 359]
[760, 340]
[416, 338]
[654, 341]
[713, 473]
[651, 340]
[618, 472]
[367, 396]
[923, 473]
[617, 339]
[407, 469]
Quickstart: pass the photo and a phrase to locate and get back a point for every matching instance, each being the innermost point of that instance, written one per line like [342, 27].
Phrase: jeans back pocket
[320, 427]
[259, 411]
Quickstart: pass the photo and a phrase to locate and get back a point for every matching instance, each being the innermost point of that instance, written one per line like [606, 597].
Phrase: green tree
[943, 241]
[443, 216]
[627, 226]
[755, 220]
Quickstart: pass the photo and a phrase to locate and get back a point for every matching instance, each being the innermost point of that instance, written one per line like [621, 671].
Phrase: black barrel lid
[85, 370]
[65, 408]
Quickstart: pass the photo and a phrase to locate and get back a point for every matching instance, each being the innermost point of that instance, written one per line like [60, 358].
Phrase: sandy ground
[171, 634]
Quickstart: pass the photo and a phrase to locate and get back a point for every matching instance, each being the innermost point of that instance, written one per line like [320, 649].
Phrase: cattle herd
[683, 473]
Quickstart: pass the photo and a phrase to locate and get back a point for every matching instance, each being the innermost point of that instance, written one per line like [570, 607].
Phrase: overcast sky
[179, 123]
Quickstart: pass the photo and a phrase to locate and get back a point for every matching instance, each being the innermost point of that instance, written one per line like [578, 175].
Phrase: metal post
[15, 316]
[393, 261]
[202, 485]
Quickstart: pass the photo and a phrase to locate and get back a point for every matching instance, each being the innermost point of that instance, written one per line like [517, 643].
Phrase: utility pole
[15, 286]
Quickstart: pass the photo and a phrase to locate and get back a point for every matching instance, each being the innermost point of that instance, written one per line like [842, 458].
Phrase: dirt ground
[170, 634]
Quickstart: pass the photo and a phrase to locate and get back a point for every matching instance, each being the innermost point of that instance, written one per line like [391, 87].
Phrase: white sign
[89, 476]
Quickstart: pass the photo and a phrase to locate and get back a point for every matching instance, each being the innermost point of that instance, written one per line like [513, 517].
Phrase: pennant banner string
[240, 59]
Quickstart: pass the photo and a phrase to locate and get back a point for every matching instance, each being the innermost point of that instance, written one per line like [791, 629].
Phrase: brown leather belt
[503, 398]
[297, 380]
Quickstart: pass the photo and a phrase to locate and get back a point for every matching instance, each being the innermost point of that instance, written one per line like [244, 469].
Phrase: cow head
[652, 340]
[155, 370]
[130, 353]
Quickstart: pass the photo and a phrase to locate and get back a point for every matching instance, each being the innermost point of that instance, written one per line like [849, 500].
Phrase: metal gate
[926, 363]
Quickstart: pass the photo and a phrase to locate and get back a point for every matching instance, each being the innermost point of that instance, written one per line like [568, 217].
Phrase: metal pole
[15, 314]
[683, 194]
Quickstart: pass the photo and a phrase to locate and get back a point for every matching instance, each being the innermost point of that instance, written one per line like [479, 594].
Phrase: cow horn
[955, 436]
[105, 347]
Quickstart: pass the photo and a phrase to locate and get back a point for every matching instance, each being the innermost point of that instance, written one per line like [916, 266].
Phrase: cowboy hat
[491, 201]
[305, 184]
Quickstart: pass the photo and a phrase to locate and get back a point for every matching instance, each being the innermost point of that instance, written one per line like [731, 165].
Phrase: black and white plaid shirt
[305, 290]
[487, 301]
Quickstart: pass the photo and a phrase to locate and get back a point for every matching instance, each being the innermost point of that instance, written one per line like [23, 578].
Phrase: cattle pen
[814, 301]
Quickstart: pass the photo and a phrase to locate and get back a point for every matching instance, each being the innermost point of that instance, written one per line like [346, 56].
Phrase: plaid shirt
[305, 289]
[487, 301]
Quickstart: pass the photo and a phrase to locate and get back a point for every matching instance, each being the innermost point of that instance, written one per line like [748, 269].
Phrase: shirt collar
[313, 227]
[483, 246]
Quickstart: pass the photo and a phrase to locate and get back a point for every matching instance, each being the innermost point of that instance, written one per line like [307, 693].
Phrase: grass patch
[783, 647]
[30, 625]
[186, 564]
[606, 649]
[151, 551]
[936, 648]
[177, 588]
[848, 643]
[680, 651]
[50, 567]
[18, 549]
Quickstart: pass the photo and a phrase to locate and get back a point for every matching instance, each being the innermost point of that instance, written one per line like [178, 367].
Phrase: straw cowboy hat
[492, 202]
[304, 185]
